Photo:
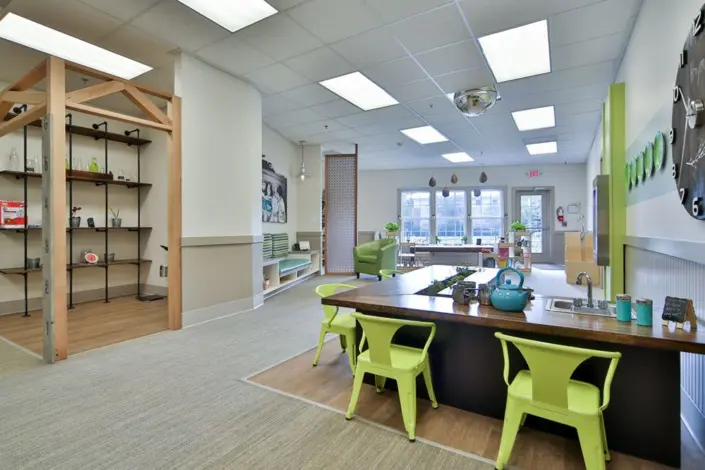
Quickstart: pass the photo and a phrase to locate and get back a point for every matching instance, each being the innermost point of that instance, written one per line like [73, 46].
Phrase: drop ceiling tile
[320, 64]
[491, 16]
[601, 72]
[522, 97]
[276, 78]
[450, 118]
[386, 127]
[459, 56]
[395, 10]
[293, 118]
[180, 25]
[346, 135]
[68, 16]
[589, 120]
[453, 129]
[437, 105]
[413, 91]
[139, 45]
[234, 56]
[336, 109]
[334, 20]
[395, 72]
[326, 126]
[311, 95]
[577, 107]
[124, 9]
[281, 5]
[430, 30]
[279, 37]
[276, 104]
[370, 48]
[389, 113]
[465, 79]
[592, 21]
[591, 51]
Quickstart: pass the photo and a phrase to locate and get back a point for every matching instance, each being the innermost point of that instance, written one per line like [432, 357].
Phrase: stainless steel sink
[568, 306]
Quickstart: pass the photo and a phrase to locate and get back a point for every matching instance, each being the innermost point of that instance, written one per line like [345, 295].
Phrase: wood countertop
[398, 296]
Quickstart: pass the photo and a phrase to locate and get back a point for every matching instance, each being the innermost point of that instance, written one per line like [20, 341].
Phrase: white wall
[378, 190]
[285, 157]
[221, 151]
[311, 191]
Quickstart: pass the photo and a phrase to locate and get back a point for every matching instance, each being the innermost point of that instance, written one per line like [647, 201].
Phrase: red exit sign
[534, 173]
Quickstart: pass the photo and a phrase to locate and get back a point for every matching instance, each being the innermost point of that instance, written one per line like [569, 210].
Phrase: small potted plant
[464, 239]
[392, 229]
[75, 221]
[517, 226]
[438, 240]
[116, 221]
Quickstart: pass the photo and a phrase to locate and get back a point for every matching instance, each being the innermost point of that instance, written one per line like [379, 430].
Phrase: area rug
[13, 359]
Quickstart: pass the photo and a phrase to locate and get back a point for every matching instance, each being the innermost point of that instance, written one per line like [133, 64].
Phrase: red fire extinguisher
[560, 215]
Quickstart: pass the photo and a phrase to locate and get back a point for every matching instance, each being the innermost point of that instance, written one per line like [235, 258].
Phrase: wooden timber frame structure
[51, 106]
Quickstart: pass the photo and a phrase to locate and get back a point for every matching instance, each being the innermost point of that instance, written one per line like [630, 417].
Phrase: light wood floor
[330, 384]
[91, 325]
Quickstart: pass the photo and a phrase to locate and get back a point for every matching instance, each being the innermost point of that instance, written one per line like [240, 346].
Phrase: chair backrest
[552, 366]
[388, 273]
[379, 332]
[325, 290]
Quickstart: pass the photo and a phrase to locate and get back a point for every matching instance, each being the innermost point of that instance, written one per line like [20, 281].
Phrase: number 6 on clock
[695, 208]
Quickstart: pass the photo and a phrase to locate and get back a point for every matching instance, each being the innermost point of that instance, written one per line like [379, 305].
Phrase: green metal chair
[387, 360]
[546, 390]
[389, 273]
[342, 325]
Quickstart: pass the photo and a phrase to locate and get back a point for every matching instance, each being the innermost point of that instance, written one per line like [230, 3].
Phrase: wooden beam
[23, 83]
[94, 91]
[54, 214]
[16, 123]
[174, 215]
[145, 104]
[83, 70]
[23, 97]
[116, 116]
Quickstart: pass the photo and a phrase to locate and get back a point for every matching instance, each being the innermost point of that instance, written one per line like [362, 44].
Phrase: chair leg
[523, 420]
[590, 435]
[321, 339]
[512, 421]
[358, 275]
[357, 386]
[379, 278]
[429, 384]
[352, 356]
[379, 383]
[605, 448]
[343, 342]
[407, 398]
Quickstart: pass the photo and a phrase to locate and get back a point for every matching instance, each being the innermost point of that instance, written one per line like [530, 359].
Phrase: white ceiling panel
[413, 91]
[588, 119]
[139, 45]
[336, 109]
[234, 56]
[68, 16]
[435, 28]
[437, 105]
[447, 119]
[320, 64]
[459, 56]
[578, 107]
[279, 37]
[376, 115]
[334, 20]
[317, 128]
[292, 118]
[346, 135]
[124, 10]
[518, 98]
[276, 104]
[180, 25]
[491, 16]
[282, 5]
[276, 78]
[394, 73]
[311, 94]
[370, 48]
[387, 127]
[592, 21]
[603, 48]
[602, 72]
[465, 79]
[395, 10]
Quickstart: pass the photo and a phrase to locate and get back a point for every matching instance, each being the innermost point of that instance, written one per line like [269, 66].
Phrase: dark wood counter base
[643, 417]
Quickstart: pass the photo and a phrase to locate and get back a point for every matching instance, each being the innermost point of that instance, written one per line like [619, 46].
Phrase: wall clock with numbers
[687, 135]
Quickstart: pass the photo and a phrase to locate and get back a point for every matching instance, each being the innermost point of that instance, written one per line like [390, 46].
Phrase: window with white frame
[416, 216]
[486, 216]
[451, 217]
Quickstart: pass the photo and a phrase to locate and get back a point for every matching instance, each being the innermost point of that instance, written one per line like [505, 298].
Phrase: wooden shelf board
[80, 179]
[90, 132]
[119, 262]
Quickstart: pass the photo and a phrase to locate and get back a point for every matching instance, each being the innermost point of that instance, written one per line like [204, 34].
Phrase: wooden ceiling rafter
[93, 92]
[25, 82]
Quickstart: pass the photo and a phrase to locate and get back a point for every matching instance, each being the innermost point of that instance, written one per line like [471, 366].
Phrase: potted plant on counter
[116, 220]
[517, 226]
[75, 221]
[392, 229]
[464, 240]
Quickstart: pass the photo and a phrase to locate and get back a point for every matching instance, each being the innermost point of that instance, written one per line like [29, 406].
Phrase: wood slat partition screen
[341, 213]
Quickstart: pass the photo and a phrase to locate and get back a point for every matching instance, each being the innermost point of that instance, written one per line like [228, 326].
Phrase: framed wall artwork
[274, 195]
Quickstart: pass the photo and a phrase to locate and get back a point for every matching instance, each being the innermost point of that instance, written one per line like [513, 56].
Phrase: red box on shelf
[12, 214]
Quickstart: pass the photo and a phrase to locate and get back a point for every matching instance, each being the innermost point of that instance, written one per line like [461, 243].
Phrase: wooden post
[174, 214]
[54, 214]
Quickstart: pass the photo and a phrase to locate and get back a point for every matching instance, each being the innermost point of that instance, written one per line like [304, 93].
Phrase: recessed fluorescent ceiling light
[458, 157]
[542, 148]
[360, 91]
[36, 36]
[537, 118]
[232, 14]
[519, 52]
[424, 135]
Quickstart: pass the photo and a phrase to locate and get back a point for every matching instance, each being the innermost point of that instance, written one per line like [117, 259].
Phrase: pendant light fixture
[302, 174]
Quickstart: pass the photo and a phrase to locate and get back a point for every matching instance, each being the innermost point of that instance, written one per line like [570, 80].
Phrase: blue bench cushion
[288, 266]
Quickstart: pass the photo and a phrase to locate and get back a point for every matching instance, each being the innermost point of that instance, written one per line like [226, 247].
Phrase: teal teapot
[508, 297]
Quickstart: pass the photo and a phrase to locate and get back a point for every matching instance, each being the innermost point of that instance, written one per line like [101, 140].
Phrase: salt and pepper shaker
[644, 312]
[624, 307]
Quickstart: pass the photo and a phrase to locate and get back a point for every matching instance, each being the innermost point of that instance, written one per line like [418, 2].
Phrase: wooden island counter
[643, 418]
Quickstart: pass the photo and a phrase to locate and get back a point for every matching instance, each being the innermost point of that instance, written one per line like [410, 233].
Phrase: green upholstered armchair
[373, 256]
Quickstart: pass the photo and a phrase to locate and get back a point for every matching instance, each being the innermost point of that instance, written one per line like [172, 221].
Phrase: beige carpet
[14, 360]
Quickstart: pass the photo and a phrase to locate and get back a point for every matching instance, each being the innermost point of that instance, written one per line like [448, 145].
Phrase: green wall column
[614, 146]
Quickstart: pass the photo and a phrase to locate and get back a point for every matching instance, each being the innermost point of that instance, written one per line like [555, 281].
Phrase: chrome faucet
[579, 281]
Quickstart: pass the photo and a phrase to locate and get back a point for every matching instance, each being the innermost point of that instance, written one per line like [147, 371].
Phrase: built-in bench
[291, 265]
[282, 268]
